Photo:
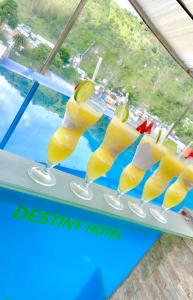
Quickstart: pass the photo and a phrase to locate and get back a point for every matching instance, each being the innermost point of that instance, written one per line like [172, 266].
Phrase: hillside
[134, 60]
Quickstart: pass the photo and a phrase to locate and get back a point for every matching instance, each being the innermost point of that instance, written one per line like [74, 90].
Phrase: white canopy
[172, 23]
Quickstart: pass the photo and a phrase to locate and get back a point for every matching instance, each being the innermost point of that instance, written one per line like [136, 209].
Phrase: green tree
[71, 75]
[133, 97]
[19, 41]
[185, 132]
[2, 37]
[64, 55]
[13, 21]
[57, 62]
[2, 18]
[40, 53]
[8, 11]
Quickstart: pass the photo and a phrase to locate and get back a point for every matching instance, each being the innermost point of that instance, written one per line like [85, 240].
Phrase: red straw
[143, 128]
[149, 128]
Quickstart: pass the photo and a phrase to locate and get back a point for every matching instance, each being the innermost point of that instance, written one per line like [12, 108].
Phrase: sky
[127, 5]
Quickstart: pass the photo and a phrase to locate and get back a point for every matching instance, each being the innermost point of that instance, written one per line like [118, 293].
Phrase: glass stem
[119, 195]
[48, 167]
[87, 182]
[142, 203]
[163, 210]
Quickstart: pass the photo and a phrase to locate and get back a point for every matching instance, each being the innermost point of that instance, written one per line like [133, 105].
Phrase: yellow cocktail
[147, 154]
[179, 189]
[78, 118]
[130, 177]
[118, 137]
[176, 193]
[170, 167]
[99, 163]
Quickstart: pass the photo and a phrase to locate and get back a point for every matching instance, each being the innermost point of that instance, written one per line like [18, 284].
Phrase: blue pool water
[51, 259]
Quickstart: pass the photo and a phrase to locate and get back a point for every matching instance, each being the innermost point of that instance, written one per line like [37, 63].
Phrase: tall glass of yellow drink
[170, 166]
[175, 194]
[79, 116]
[118, 137]
[147, 154]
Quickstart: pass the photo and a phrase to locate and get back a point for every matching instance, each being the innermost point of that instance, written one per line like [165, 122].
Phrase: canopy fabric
[171, 22]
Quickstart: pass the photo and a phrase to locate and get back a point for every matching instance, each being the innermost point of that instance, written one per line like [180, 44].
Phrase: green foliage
[165, 107]
[26, 52]
[40, 54]
[2, 37]
[8, 11]
[185, 131]
[19, 41]
[13, 21]
[70, 74]
[64, 55]
[57, 62]
[133, 97]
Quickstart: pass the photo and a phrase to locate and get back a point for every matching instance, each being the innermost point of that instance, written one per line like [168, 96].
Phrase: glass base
[113, 202]
[158, 216]
[137, 209]
[81, 191]
[42, 176]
